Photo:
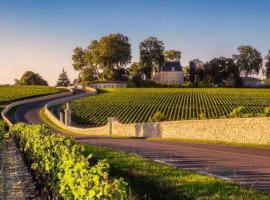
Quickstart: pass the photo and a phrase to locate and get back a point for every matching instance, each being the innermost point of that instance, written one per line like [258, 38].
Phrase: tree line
[109, 58]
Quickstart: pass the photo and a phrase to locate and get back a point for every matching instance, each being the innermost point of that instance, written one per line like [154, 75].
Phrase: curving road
[245, 165]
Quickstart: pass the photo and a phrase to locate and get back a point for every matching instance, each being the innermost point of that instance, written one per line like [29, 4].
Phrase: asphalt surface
[248, 166]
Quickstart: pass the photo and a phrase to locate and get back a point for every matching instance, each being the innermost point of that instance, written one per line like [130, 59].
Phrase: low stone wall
[33, 100]
[236, 130]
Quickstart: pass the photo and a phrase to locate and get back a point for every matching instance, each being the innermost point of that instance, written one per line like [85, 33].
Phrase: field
[13, 93]
[131, 105]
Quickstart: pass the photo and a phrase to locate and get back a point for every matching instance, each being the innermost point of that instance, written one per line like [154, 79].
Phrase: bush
[267, 111]
[240, 111]
[60, 167]
[157, 117]
[3, 132]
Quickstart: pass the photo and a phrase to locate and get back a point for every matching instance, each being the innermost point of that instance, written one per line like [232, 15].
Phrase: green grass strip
[151, 180]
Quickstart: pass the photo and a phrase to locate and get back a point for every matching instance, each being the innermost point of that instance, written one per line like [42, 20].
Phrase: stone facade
[168, 77]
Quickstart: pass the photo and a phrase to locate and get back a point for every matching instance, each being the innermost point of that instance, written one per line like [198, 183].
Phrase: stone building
[169, 73]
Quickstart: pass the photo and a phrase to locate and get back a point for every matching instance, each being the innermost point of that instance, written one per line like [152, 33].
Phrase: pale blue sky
[40, 35]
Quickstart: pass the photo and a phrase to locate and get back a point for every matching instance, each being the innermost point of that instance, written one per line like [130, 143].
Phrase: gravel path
[16, 182]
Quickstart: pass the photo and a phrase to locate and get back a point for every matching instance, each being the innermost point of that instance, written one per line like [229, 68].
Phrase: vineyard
[12, 93]
[131, 105]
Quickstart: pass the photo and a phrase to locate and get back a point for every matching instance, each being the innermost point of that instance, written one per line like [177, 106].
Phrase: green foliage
[172, 55]
[31, 78]
[249, 60]
[157, 117]
[267, 111]
[63, 79]
[267, 65]
[60, 167]
[202, 115]
[3, 133]
[105, 59]
[132, 105]
[13, 93]
[240, 111]
[88, 75]
[152, 53]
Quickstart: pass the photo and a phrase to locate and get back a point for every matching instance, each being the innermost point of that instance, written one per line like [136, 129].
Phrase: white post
[68, 115]
[62, 117]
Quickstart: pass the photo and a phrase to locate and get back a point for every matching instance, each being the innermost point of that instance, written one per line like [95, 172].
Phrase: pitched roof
[167, 66]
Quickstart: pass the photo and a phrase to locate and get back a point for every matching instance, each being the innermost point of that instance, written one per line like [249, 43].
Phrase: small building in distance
[169, 73]
[251, 82]
[109, 84]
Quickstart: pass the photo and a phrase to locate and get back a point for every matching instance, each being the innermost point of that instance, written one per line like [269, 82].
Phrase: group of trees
[106, 59]
[217, 71]
[109, 57]
[32, 78]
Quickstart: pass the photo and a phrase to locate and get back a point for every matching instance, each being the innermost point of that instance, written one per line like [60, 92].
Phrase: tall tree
[31, 78]
[78, 59]
[195, 70]
[267, 65]
[249, 60]
[63, 79]
[219, 69]
[172, 55]
[112, 53]
[152, 53]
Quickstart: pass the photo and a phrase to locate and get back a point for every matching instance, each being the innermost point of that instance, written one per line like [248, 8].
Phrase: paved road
[245, 165]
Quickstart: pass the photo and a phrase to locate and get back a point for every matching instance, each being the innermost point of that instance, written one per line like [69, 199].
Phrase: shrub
[60, 167]
[202, 116]
[267, 111]
[157, 117]
[240, 111]
[3, 132]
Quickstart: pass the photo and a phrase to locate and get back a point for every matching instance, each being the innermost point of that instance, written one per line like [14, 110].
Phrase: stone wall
[237, 130]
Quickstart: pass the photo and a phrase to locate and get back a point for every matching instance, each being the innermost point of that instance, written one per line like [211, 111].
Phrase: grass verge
[151, 180]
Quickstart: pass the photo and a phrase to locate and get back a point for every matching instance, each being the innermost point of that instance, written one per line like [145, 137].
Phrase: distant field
[138, 104]
[13, 93]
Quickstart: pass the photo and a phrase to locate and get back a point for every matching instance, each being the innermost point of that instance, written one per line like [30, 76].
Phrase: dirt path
[16, 182]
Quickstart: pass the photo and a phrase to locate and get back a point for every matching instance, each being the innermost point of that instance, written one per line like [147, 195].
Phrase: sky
[40, 35]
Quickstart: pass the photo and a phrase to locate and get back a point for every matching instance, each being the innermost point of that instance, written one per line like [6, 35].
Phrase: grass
[131, 105]
[151, 180]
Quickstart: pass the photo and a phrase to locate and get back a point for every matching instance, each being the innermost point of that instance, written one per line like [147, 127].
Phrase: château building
[169, 73]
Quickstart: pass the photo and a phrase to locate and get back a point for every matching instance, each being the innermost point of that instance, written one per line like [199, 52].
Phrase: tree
[88, 75]
[172, 55]
[78, 59]
[31, 78]
[219, 69]
[112, 53]
[134, 69]
[152, 53]
[249, 60]
[196, 70]
[267, 65]
[63, 79]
